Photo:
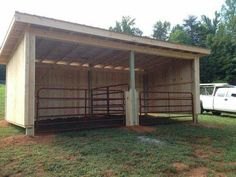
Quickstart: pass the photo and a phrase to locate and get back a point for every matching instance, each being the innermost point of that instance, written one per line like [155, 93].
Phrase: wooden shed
[70, 76]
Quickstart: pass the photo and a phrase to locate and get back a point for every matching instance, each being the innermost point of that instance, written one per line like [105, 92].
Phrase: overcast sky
[104, 13]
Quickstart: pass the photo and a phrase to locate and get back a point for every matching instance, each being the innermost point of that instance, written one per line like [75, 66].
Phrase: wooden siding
[56, 76]
[172, 77]
[15, 92]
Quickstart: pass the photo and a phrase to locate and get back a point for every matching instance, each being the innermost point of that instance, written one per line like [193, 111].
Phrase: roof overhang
[22, 21]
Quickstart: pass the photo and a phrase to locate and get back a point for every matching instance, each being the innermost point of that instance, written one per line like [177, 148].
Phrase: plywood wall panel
[15, 81]
[172, 77]
[56, 76]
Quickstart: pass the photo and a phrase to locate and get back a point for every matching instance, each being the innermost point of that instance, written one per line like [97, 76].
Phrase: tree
[192, 27]
[179, 35]
[228, 13]
[127, 25]
[221, 64]
[161, 30]
[2, 72]
[209, 29]
[211, 26]
[217, 34]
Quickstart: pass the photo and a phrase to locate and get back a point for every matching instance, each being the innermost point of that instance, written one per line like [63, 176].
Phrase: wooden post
[196, 89]
[108, 101]
[90, 104]
[145, 94]
[134, 111]
[29, 83]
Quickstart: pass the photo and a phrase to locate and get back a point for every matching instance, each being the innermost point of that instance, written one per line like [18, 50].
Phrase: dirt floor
[3, 124]
[25, 140]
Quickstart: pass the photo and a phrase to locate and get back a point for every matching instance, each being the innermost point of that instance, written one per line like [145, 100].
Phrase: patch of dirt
[220, 175]
[127, 167]
[11, 164]
[230, 163]
[204, 140]
[40, 171]
[205, 150]
[180, 166]
[203, 172]
[23, 140]
[108, 173]
[198, 172]
[4, 124]
[141, 129]
[71, 158]
[226, 163]
[201, 153]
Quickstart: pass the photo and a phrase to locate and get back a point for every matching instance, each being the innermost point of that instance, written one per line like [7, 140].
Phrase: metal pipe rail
[74, 102]
[166, 102]
[103, 98]
[75, 99]
[112, 86]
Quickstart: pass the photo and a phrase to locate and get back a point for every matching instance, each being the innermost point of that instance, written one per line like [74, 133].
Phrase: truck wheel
[216, 113]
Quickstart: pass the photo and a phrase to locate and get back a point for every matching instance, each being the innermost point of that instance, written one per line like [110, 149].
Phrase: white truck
[218, 98]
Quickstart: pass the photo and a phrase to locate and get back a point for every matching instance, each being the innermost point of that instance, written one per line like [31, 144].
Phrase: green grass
[10, 131]
[2, 101]
[119, 152]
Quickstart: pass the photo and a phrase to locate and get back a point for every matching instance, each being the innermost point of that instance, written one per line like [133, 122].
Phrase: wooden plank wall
[172, 77]
[15, 86]
[49, 75]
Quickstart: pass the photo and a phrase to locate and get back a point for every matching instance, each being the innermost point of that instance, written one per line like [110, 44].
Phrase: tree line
[217, 34]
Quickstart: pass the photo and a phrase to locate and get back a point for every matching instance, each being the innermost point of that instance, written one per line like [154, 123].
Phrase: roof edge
[74, 27]
[7, 34]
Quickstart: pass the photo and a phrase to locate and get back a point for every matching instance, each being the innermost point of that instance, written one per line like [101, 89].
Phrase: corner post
[196, 89]
[29, 82]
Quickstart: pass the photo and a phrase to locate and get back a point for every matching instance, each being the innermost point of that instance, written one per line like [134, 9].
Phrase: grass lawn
[166, 150]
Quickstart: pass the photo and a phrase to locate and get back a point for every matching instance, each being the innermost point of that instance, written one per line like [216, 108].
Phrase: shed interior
[68, 73]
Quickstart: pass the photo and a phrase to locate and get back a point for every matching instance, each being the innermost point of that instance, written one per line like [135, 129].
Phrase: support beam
[133, 94]
[29, 82]
[29, 131]
[196, 89]
[51, 50]
[71, 51]
[90, 76]
[145, 89]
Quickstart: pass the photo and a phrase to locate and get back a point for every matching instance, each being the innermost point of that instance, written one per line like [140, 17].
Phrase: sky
[104, 13]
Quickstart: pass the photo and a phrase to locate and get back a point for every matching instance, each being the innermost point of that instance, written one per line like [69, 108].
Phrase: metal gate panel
[62, 109]
[164, 105]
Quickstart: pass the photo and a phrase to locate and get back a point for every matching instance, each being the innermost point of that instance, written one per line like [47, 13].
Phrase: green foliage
[179, 35]
[10, 130]
[229, 15]
[127, 25]
[161, 29]
[2, 72]
[217, 34]
[193, 28]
